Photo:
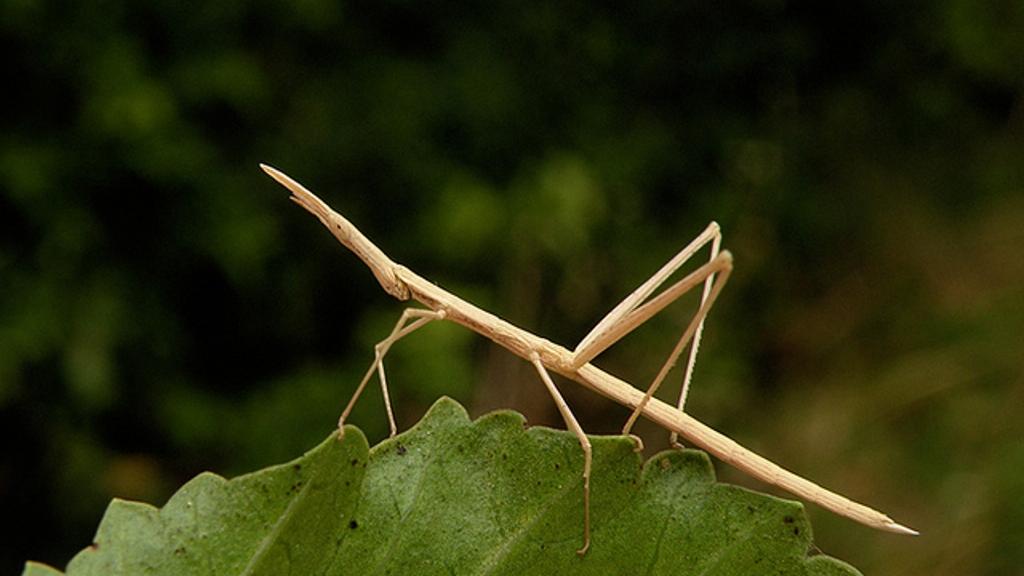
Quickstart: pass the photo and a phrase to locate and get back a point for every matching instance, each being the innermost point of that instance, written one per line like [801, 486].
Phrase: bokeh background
[165, 310]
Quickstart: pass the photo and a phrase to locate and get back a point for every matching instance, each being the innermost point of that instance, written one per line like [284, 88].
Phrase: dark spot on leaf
[796, 530]
[297, 467]
[94, 546]
[352, 525]
[751, 509]
[355, 461]
[179, 551]
[558, 466]
[401, 450]
[504, 456]
[788, 519]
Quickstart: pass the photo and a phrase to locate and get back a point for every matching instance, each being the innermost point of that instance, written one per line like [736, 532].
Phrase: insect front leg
[411, 320]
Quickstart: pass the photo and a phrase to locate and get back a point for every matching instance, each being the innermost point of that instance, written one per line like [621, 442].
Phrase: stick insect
[546, 356]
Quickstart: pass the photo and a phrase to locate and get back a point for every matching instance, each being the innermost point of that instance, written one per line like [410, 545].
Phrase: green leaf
[451, 496]
[36, 569]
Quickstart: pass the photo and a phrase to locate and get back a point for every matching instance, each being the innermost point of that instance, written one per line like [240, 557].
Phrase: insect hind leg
[721, 267]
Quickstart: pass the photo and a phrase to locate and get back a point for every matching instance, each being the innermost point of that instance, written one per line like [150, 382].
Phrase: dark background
[165, 310]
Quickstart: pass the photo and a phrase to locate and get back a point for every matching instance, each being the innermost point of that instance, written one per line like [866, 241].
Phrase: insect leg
[695, 347]
[403, 327]
[573, 425]
[611, 328]
[721, 266]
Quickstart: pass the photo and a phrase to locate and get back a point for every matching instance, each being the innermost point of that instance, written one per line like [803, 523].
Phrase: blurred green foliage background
[165, 310]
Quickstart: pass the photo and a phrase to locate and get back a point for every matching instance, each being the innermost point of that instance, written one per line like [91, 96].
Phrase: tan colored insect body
[545, 355]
